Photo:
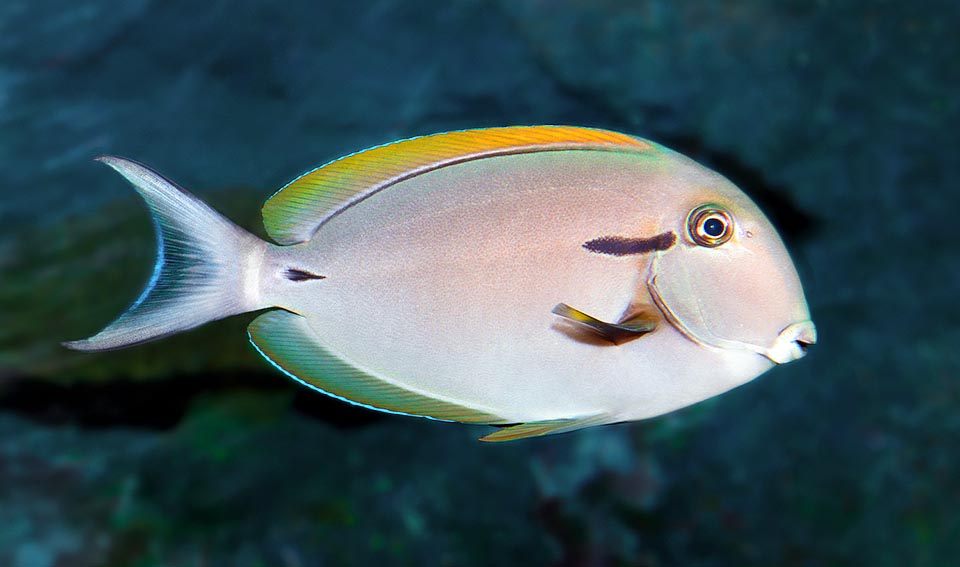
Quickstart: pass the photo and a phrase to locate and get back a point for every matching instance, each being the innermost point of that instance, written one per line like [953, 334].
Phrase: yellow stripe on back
[295, 212]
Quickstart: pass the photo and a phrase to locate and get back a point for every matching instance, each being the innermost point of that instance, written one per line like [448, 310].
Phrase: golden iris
[709, 225]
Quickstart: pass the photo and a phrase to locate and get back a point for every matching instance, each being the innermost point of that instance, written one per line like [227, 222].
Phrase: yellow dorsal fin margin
[297, 210]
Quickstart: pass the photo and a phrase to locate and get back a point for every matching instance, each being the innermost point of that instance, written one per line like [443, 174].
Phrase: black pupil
[713, 227]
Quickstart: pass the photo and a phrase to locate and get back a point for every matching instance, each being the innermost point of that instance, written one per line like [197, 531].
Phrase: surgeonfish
[540, 279]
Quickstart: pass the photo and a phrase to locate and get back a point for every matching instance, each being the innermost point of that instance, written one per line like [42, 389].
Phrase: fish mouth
[792, 342]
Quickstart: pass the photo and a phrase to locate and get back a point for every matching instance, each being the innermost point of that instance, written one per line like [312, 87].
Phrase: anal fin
[287, 340]
[549, 427]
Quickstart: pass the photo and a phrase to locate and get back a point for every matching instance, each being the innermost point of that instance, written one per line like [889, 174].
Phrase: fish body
[538, 278]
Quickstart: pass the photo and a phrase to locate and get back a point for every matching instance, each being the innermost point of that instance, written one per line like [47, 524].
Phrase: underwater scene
[569, 286]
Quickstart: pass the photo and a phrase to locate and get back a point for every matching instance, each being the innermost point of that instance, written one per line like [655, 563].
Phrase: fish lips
[792, 342]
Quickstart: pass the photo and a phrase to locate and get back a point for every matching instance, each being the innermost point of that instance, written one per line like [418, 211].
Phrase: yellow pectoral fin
[634, 326]
[287, 340]
[550, 427]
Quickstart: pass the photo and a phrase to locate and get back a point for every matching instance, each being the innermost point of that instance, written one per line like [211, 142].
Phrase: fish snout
[792, 342]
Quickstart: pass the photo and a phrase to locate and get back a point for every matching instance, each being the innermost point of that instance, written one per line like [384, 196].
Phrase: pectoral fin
[549, 427]
[636, 324]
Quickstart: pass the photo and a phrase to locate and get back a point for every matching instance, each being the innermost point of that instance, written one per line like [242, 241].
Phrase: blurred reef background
[840, 118]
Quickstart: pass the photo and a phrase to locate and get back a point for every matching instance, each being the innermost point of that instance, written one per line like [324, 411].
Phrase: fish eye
[709, 226]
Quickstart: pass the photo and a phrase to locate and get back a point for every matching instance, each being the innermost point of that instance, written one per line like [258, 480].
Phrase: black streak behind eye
[296, 275]
[622, 246]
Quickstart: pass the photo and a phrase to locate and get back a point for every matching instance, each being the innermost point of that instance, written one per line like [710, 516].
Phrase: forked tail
[207, 267]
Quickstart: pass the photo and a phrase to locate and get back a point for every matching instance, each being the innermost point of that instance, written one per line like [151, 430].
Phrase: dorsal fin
[297, 210]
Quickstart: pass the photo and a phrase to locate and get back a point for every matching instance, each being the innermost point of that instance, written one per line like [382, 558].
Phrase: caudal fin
[206, 266]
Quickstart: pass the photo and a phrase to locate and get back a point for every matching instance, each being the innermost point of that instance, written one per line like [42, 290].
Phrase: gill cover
[738, 295]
